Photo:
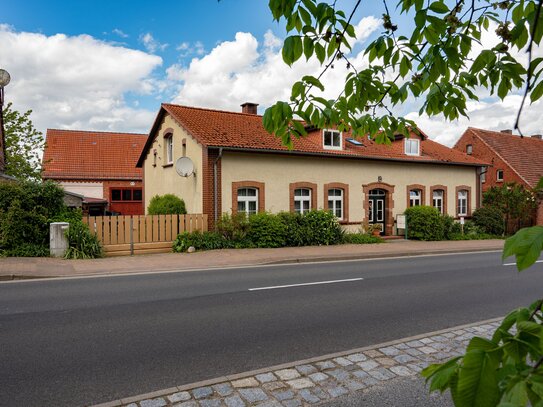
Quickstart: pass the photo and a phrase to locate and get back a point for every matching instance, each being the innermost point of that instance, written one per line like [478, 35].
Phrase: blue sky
[107, 65]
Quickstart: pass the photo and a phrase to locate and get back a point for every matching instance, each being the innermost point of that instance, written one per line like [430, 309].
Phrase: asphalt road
[88, 340]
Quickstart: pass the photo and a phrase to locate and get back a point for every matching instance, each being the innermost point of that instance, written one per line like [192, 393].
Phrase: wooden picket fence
[142, 234]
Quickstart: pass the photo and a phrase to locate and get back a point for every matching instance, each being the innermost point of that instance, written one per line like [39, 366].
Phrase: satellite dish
[184, 166]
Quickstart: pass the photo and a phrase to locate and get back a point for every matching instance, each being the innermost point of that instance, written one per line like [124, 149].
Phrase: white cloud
[76, 82]
[120, 33]
[187, 49]
[151, 44]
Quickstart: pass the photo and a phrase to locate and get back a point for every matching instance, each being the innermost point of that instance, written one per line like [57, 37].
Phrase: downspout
[215, 188]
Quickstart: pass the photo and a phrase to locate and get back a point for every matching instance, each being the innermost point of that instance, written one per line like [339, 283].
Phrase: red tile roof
[523, 154]
[216, 128]
[92, 155]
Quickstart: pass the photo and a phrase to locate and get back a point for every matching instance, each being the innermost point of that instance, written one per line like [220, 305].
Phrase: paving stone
[343, 361]
[426, 341]
[360, 374]
[320, 393]
[390, 351]
[177, 397]
[273, 386]
[270, 403]
[413, 351]
[202, 392]
[415, 367]
[373, 353]
[401, 371]
[292, 403]
[306, 369]
[427, 350]
[223, 389]
[210, 403]
[368, 365]
[132, 405]
[414, 344]
[357, 357]
[248, 382]
[253, 395]
[318, 377]
[354, 385]
[381, 374]
[160, 402]
[300, 383]
[370, 381]
[283, 395]
[440, 346]
[337, 391]
[287, 374]
[308, 396]
[327, 364]
[403, 359]
[234, 401]
[401, 346]
[448, 335]
[459, 332]
[339, 374]
[187, 404]
[266, 377]
[438, 338]
[386, 362]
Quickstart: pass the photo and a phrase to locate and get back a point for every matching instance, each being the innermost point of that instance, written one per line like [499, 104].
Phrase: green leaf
[525, 245]
[308, 47]
[439, 7]
[313, 81]
[537, 92]
[441, 375]
[477, 381]
[292, 49]
[320, 52]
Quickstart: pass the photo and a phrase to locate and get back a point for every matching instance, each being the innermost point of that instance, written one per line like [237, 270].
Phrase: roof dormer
[332, 139]
[412, 146]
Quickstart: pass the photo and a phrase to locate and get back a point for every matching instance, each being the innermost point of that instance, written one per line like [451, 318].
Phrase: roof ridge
[100, 132]
[213, 110]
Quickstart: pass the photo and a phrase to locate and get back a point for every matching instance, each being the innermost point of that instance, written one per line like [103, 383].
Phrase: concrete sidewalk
[20, 268]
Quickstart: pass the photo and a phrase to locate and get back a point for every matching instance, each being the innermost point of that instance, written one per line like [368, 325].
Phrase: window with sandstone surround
[462, 205]
[302, 200]
[335, 202]
[248, 197]
[437, 200]
[415, 197]
[248, 200]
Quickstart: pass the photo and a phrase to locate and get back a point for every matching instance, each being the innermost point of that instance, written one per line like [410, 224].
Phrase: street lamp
[4, 80]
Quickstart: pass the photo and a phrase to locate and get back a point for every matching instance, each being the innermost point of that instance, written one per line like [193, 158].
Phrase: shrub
[82, 244]
[321, 228]
[200, 241]
[361, 238]
[267, 230]
[425, 223]
[234, 227]
[168, 204]
[489, 219]
[294, 234]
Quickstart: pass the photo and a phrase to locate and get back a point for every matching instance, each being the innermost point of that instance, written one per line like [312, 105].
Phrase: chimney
[249, 108]
[507, 131]
[537, 136]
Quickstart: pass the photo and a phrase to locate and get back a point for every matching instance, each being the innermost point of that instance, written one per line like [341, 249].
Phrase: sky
[107, 65]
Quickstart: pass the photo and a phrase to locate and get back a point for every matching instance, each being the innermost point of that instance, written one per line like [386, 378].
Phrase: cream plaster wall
[87, 189]
[160, 179]
[277, 172]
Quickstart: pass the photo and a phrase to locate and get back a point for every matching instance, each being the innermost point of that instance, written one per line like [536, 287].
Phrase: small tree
[168, 204]
[23, 145]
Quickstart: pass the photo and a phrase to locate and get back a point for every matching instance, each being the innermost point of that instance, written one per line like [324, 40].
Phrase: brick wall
[209, 156]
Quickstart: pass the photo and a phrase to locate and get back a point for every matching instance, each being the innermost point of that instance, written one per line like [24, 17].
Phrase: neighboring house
[241, 167]
[512, 158]
[100, 166]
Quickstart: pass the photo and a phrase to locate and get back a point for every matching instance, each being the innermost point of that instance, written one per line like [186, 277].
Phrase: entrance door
[377, 208]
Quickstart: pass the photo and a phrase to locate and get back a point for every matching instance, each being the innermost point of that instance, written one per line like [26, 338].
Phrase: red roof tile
[523, 154]
[216, 128]
[91, 155]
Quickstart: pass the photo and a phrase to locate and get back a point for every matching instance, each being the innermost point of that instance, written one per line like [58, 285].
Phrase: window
[335, 202]
[462, 206]
[437, 200]
[469, 149]
[415, 197]
[332, 139]
[248, 200]
[412, 146]
[168, 140]
[483, 177]
[136, 195]
[499, 175]
[126, 194]
[302, 200]
[116, 195]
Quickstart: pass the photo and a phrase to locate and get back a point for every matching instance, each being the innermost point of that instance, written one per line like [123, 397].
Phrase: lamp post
[4, 80]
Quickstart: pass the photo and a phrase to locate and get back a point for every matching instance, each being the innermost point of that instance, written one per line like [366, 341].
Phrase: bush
[168, 204]
[425, 223]
[321, 228]
[82, 244]
[294, 234]
[361, 238]
[267, 230]
[489, 219]
[200, 241]
[233, 227]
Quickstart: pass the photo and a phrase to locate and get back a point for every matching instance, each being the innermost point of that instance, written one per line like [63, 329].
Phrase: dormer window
[469, 149]
[412, 146]
[331, 139]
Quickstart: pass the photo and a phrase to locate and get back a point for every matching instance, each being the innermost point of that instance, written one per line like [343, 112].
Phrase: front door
[377, 209]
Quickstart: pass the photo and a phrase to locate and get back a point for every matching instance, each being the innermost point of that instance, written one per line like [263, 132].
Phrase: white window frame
[469, 149]
[245, 199]
[302, 199]
[437, 197]
[417, 198]
[337, 203]
[332, 146]
[498, 178]
[462, 202]
[483, 177]
[408, 146]
[168, 141]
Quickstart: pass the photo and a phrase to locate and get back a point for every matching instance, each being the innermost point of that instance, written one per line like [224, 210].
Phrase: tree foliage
[23, 145]
[435, 60]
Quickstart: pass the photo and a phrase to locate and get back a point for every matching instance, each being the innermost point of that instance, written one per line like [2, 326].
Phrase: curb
[237, 376]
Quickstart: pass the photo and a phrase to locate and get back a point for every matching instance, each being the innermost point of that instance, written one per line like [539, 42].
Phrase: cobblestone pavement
[319, 380]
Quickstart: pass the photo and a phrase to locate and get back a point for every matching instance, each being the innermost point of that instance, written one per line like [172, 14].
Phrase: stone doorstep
[316, 379]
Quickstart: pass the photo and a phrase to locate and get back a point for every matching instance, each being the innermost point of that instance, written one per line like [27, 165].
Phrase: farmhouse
[239, 167]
